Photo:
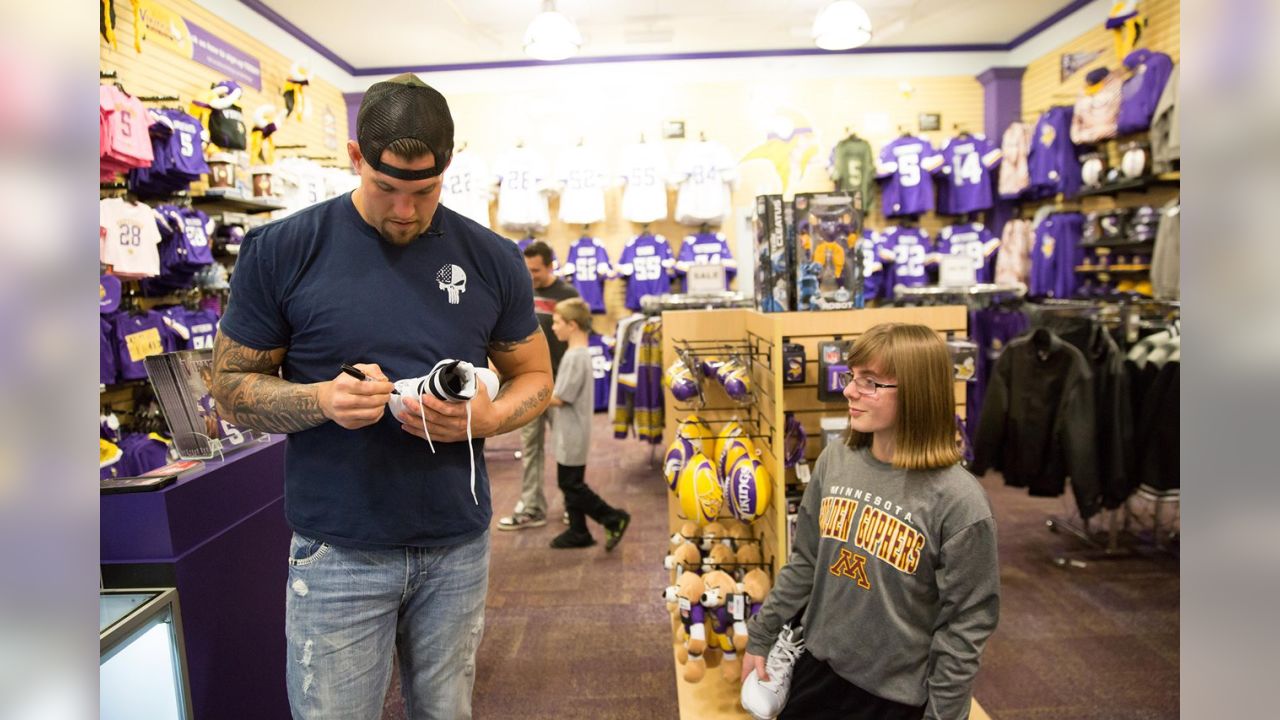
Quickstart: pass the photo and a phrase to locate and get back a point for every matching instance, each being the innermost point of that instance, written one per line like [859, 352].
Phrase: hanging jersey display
[580, 175]
[644, 173]
[124, 140]
[1141, 92]
[905, 252]
[974, 241]
[705, 249]
[704, 171]
[522, 177]
[1052, 164]
[852, 167]
[968, 164]
[905, 168]
[588, 266]
[1015, 147]
[1055, 255]
[600, 347]
[465, 187]
[646, 262]
[1097, 110]
[868, 251]
[128, 238]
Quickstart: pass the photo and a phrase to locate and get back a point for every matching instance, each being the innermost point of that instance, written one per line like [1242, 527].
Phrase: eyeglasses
[864, 385]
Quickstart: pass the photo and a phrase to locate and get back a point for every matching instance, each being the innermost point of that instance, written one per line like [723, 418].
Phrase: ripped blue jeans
[347, 609]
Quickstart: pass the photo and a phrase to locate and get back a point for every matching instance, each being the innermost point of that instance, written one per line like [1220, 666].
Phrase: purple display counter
[219, 536]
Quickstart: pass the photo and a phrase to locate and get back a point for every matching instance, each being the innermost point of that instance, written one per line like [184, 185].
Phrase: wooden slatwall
[726, 113]
[157, 70]
[1042, 86]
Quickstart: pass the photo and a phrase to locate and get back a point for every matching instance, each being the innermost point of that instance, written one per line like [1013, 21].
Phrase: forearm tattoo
[526, 410]
[249, 393]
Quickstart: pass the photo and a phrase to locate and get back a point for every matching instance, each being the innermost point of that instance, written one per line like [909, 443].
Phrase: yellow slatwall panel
[157, 70]
[726, 112]
[1042, 85]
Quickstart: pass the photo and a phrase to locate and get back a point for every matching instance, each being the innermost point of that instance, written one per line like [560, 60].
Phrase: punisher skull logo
[453, 281]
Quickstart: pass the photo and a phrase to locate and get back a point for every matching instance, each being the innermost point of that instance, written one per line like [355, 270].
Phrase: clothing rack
[656, 304]
[980, 293]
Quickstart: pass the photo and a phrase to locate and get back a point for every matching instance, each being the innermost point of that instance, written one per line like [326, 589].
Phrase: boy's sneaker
[765, 699]
[521, 521]
[571, 539]
[613, 531]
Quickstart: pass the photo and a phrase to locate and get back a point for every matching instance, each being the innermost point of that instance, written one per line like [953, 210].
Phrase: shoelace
[782, 659]
[471, 450]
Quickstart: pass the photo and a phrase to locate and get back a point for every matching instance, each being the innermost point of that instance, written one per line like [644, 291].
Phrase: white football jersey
[299, 183]
[580, 175]
[522, 177]
[467, 187]
[644, 173]
[128, 238]
[704, 171]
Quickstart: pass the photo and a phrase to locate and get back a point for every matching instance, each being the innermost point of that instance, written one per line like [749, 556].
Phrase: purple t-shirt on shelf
[587, 266]
[1141, 92]
[906, 167]
[969, 163]
[646, 263]
[138, 336]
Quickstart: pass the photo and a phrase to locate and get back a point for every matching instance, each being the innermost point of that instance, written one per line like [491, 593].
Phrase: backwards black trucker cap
[404, 107]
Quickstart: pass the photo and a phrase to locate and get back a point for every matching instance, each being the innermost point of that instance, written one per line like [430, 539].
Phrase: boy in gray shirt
[572, 403]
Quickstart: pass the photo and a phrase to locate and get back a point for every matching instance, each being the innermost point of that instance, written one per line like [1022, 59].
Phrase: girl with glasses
[894, 560]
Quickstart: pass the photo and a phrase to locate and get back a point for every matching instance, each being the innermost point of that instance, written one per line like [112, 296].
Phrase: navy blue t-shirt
[326, 287]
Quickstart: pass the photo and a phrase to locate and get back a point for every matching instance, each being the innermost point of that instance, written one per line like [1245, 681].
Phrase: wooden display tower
[761, 336]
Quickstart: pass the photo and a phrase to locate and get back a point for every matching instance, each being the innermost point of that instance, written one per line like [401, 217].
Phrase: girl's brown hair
[919, 361]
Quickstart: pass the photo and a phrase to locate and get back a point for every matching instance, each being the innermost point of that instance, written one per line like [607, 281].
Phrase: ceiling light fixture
[842, 25]
[551, 36]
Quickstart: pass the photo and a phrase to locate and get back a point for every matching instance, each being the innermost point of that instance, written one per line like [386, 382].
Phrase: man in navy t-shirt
[390, 551]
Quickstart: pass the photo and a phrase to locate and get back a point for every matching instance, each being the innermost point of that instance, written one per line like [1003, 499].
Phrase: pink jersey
[1013, 263]
[1015, 146]
[1095, 114]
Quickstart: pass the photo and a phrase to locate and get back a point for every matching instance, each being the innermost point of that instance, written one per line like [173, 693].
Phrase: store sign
[705, 279]
[168, 29]
[956, 271]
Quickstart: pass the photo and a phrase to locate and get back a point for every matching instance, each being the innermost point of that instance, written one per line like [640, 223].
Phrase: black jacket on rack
[1037, 425]
[1158, 426]
[1113, 408]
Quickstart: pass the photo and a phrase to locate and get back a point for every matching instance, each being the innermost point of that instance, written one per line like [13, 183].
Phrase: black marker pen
[361, 376]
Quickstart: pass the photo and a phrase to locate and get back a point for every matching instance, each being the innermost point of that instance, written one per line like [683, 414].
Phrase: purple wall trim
[353, 100]
[1049, 22]
[279, 21]
[1002, 99]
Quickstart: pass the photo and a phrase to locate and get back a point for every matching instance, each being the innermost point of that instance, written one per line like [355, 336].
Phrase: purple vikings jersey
[601, 350]
[905, 251]
[706, 249]
[646, 262]
[588, 266]
[106, 350]
[186, 148]
[139, 336]
[868, 249]
[197, 228]
[1141, 92]
[974, 241]
[906, 167]
[968, 164]
[1053, 166]
[203, 326]
[1055, 255]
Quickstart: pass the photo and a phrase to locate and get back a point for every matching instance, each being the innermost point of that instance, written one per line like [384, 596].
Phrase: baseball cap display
[399, 108]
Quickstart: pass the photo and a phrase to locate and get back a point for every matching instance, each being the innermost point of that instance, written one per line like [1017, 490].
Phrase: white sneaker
[765, 699]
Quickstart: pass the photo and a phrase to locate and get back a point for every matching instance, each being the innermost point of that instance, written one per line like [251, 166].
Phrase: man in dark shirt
[390, 550]
[531, 510]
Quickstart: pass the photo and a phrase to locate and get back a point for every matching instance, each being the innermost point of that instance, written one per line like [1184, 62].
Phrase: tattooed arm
[250, 392]
[525, 369]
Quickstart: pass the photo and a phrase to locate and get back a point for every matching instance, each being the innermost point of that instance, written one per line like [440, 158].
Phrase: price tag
[956, 271]
[706, 279]
[684, 604]
[802, 472]
[737, 607]
[143, 344]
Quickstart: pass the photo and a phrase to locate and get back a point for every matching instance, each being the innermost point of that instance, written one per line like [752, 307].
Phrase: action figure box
[828, 271]
[774, 291]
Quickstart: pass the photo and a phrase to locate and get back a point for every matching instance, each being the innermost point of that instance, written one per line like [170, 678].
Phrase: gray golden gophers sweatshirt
[898, 569]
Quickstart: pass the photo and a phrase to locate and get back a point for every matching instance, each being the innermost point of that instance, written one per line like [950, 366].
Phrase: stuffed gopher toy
[719, 588]
[755, 585]
[687, 596]
[721, 557]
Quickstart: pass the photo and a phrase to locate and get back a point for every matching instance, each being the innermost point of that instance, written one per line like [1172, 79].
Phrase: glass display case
[142, 667]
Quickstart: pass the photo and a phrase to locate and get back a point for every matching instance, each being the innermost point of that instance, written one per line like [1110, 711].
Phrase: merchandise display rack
[759, 338]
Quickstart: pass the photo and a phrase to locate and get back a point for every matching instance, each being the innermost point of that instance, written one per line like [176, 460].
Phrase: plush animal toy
[719, 588]
[755, 586]
[687, 596]
[748, 554]
[711, 532]
[721, 557]
[686, 556]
